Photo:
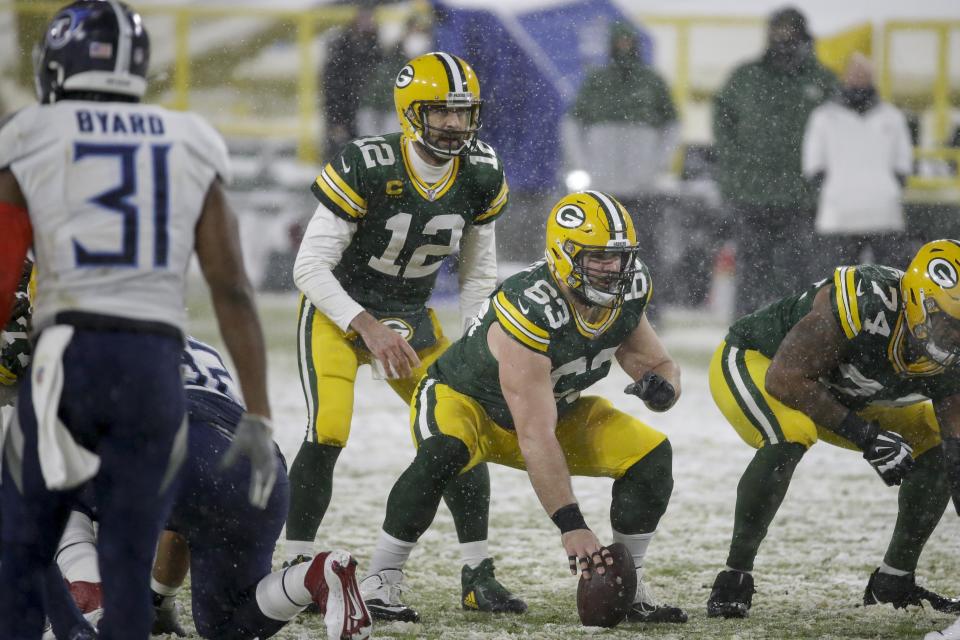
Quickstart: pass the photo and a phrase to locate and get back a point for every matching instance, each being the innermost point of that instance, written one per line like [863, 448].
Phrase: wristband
[569, 518]
[856, 430]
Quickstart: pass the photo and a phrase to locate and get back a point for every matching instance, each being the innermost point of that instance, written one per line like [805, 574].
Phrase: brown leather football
[604, 600]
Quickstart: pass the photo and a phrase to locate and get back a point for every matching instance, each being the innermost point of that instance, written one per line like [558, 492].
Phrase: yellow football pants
[596, 438]
[737, 385]
[328, 361]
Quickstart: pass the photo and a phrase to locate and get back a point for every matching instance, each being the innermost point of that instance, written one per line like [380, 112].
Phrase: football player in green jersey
[390, 209]
[509, 392]
[865, 360]
[15, 345]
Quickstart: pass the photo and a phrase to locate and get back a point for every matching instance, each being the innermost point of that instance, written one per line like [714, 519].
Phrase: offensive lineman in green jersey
[391, 208]
[865, 360]
[509, 392]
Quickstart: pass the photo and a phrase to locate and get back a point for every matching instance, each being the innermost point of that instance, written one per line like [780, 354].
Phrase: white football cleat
[381, 593]
[332, 582]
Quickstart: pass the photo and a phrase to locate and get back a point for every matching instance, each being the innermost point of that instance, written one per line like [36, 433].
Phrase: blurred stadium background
[253, 68]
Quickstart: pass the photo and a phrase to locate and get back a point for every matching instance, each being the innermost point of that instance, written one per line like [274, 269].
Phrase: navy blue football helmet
[93, 46]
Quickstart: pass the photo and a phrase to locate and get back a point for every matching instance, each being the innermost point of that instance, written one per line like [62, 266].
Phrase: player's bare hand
[394, 353]
[585, 553]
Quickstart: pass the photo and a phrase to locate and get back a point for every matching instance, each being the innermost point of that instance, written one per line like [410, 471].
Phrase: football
[604, 600]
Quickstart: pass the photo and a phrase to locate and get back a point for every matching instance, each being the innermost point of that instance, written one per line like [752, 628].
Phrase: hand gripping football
[604, 600]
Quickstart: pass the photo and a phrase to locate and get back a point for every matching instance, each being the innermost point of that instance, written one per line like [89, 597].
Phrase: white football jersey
[114, 192]
[203, 370]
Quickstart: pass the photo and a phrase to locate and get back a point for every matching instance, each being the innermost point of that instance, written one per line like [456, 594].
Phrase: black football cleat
[645, 607]
[731, 596]
[480, 591]
[903, 591]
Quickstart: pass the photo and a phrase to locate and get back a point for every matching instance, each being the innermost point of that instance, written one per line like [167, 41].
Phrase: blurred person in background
[626, 134]
[350, 57]
[857, 154]
[376, 114]
[759, 118]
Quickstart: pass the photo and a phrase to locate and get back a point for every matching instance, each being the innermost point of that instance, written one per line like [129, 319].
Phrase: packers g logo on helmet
[591, 223]
[931, 298]
[570, 216]
[405, 77]
[438, 80]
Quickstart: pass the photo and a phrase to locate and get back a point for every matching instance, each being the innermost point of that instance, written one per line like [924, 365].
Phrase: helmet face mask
[439, 138]
[97, 47]
[605, 274]
[931, 294]
[592, 248]
[437, 98]
[942, 335]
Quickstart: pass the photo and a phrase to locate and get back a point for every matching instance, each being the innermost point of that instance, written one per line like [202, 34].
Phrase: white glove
[253, 438]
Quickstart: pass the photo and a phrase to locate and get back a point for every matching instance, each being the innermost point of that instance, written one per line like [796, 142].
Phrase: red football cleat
[332, 582]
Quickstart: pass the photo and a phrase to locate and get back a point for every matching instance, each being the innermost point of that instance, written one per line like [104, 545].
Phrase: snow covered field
[810, 575]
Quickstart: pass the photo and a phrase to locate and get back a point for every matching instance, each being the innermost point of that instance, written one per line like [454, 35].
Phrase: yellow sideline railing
[940, 95]
[305, 127]
[307, 24]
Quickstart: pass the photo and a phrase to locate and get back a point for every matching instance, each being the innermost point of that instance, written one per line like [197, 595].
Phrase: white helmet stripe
[617, 223]
[453, 72]
[124, 42]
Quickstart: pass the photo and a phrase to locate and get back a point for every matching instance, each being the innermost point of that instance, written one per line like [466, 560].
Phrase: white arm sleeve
[323, 244]
[478, 269]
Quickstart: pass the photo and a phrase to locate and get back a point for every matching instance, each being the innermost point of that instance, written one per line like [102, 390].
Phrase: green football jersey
[529, 308]
[15, 349]
[875, 366]
[404, 227]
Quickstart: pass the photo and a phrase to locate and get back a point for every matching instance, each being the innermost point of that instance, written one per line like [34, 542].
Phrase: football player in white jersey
[113, 196]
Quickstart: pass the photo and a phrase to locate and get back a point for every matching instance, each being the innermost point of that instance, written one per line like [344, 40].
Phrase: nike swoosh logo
[343, 163]
[522, 308]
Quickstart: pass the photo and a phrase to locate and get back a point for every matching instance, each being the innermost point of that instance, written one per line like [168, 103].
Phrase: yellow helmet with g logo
[438, 80]
[931, 295]
[592, 224]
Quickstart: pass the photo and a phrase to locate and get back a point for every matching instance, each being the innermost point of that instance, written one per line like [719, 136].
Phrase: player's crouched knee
[641, 495]
[448, 455]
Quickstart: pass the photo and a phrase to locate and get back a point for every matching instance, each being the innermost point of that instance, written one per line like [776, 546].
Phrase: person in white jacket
[857, 151]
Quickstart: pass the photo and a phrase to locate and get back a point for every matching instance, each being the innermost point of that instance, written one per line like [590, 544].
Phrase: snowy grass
[829, 535]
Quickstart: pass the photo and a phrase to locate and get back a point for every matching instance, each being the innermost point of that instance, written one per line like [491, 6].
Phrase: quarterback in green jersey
[864, 360]
[509, 391]
[390, 209]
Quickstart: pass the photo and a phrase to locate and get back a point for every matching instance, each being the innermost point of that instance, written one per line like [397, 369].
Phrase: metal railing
[304, 127]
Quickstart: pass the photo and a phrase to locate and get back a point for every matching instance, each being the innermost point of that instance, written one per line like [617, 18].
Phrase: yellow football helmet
[438, 80]
[931, 294]
[591, 224]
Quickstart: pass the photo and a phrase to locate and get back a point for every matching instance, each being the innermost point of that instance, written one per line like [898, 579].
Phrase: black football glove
[654, 390]
[951, 463]
[890, 456]
[253, 438]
